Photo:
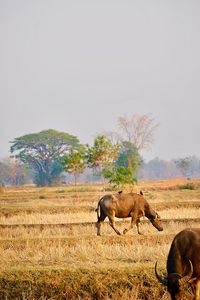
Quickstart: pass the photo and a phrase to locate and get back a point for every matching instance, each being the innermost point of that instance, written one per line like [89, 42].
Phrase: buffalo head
[175, 282]
[156, 222]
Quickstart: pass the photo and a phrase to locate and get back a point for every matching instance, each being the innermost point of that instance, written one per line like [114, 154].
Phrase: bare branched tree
[138, 130]
[113, 136]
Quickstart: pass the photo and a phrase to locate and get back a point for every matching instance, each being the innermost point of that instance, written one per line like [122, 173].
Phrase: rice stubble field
[50, 250]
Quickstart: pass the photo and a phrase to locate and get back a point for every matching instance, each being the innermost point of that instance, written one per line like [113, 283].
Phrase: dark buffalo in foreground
[123, 205]
[183, 264]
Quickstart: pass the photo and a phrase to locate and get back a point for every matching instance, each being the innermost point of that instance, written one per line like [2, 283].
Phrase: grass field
[49, 248]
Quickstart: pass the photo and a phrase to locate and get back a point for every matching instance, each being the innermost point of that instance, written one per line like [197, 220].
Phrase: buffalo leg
[99, 222]
[137, 224]
[134, 220]
[112, 223]
[98, 225]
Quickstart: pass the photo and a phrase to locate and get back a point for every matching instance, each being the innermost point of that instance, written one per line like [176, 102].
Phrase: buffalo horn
[188, 276]
[160, 278]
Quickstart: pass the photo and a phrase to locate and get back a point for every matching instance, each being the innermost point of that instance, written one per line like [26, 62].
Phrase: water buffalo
[183, 264]
[123, 205]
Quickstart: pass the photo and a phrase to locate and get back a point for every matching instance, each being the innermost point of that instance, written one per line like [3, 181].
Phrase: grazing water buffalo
[183, 264]
[124, 205]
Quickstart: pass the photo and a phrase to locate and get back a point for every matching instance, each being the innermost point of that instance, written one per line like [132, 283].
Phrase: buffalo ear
[158, 216]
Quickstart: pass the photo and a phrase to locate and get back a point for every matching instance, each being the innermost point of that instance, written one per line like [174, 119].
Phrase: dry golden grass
[81, 251]
[82, 217]
[71, 262]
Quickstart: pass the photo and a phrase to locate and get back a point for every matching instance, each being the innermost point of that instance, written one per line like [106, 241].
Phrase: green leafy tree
[102, 154]
[43, 152]
[75, 162]
[138, 133]
[123, 172]
[129, 157]
[120, 177]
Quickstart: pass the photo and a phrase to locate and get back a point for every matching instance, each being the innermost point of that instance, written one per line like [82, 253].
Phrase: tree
[119, 177]
[102, 154]
[157, 168]
[136, 135]
[17, 172]
[3, 173]
[129, 157]
[123, 172]
[184, 165]
[43, 152]
[75, 162]
[138, 130]
[13, 172]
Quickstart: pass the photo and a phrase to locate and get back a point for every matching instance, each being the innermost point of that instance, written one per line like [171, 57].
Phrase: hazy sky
[76, 66]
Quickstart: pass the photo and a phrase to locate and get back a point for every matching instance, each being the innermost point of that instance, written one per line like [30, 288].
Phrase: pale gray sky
[76, 66]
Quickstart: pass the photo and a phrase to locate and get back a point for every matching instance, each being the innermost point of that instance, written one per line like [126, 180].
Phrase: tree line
[13, 172]
[46, 157]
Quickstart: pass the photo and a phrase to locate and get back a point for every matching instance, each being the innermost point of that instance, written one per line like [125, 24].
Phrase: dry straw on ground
[71, 262]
